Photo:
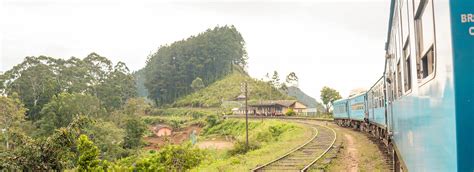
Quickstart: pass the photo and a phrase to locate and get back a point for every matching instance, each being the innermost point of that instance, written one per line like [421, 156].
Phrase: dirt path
[352, 160]
[358, 153]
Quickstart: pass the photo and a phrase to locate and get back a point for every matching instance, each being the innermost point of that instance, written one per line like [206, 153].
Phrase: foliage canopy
[328, 96]
[210, 56]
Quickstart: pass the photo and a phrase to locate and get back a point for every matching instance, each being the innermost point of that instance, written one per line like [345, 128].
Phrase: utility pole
[4, 130]
[245, 90]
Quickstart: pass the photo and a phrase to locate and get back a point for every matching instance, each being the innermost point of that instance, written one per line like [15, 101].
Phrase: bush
[212, 120]
[134, 131]
[264, 136]
[171, 158]
[241, 148]
[276, 131]
[290, 112]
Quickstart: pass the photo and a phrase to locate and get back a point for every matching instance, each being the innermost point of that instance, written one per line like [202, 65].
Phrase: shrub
[264, 136]
[276, 131]
[134, 131]
[212, 120]
[290, 112]
[88, 155]
[241, 148]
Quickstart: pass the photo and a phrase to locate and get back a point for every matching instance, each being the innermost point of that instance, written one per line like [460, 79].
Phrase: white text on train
[471, 31]
[467, 18]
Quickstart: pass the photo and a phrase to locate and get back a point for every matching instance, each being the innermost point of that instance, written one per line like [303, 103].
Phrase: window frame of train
[425, 56]
[406, 49]
[399, 79]
[407, 67]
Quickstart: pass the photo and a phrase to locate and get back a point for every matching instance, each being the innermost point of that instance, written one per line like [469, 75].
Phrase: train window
[427, 62]
[404, 19]
[424, 27]
[407, 67]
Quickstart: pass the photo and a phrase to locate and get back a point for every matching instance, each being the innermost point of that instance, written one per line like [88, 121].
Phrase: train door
[372, 105]
[389, 94]
[366, 107]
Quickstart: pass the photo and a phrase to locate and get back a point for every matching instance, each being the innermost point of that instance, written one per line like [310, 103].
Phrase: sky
[335, 43]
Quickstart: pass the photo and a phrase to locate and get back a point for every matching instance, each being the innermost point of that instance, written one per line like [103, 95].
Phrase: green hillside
[228, 89]
[301, 96]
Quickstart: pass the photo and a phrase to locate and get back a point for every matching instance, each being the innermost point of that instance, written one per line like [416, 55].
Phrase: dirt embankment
[177, 137]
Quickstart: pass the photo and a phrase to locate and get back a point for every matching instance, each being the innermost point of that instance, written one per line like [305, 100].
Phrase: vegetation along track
[303, 157]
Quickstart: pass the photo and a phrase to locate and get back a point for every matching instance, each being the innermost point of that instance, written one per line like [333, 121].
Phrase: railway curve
[303, 157]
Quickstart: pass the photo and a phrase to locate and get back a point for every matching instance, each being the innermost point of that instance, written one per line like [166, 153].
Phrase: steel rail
[305, 168]
[288, 153]
[324, 153]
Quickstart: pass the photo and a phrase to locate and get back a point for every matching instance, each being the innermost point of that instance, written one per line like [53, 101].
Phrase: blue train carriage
[357, 110]
[340, 112]
[377, 124]
[429, 84]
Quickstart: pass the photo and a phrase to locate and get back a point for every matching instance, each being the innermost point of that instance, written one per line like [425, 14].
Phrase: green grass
[292, 135]
[229, 88]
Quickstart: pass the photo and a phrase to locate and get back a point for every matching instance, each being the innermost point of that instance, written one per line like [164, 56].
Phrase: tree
[197, 84]
[88, 154]
[210, 55]
[275, 80]
[52, 153]
[117, 88]
[12, 113]
[134, 130]
[284, 88]
[62, 109]
[38, 79]
[35, 82]
[292, 79]
[108, 137]
[136, 107]
[328, 96]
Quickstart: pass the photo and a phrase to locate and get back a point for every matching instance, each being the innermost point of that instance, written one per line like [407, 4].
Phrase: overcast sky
[336, 43]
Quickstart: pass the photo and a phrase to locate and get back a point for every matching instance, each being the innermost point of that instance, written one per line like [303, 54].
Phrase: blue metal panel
[340, 104]
[462, 26]
[375, 110]
[424, 128]
[357, 107]
[378, 116]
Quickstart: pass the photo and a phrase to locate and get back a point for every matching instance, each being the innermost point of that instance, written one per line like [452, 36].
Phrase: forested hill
[228, 89]
[302, 97]
[140, 83]
[204, 58]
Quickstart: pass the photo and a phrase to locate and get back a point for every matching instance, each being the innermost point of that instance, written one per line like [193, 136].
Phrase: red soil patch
[177, 137]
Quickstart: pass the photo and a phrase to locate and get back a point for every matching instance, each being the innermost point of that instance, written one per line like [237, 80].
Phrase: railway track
[303, 157]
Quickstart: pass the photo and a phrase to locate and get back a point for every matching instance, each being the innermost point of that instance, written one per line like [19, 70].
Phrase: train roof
[357, 95]
[339, 100]
[390, 20]
[381, 78]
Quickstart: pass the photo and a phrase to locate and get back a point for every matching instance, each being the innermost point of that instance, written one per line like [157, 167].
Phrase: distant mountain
[309, 101]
